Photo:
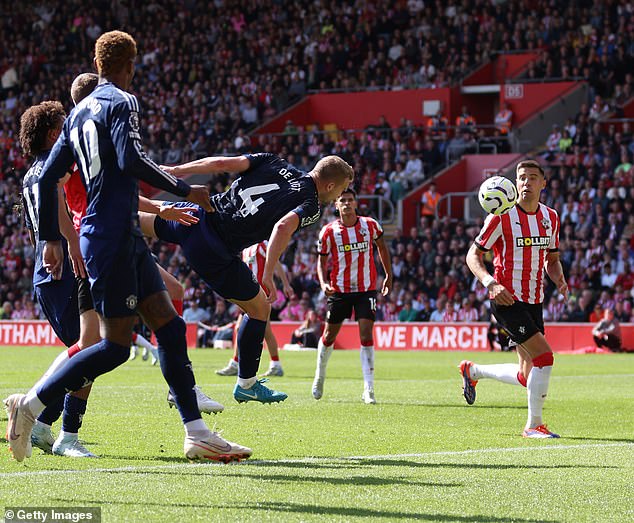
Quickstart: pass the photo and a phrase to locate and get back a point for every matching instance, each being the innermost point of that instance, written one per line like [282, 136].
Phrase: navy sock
[82, 369]
[52, 412]
[74, 410]
[250, 338]
[176, 367]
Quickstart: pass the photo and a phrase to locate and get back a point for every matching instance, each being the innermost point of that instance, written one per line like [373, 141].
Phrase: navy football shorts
[122, 277]
[208, 255]
[521, 320]
[58, 301]
[341, 305]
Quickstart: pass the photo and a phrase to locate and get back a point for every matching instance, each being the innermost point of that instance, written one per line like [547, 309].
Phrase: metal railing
[383, 210]
[468, 201]
[468, 149]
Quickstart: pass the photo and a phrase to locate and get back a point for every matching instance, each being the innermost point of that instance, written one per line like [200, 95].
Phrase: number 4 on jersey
[250, 206]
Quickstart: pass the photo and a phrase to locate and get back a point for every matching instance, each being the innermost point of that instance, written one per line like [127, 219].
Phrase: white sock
[367, 365]
[504, 372]
[140, 340]
[323, 355]
[61, 360]
[247, 383]
[233, 363]
[537, 388]
[196, 428]
[68, 436]
[33, 402]
[275, 364]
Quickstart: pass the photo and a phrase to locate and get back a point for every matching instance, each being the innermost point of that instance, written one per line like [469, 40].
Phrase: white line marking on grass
[149, 468]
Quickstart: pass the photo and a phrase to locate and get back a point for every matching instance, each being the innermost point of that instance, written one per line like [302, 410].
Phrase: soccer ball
[497, 195]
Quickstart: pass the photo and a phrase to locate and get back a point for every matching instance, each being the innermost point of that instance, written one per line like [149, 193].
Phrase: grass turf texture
[420, 454]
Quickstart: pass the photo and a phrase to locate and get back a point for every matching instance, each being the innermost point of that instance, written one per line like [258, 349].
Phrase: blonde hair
[83, 85]
[113, 51]
[334, 169]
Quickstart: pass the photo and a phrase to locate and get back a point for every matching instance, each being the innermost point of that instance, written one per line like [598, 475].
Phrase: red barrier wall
[460, 177]
[502, 68]
[358, 110]
[511, 65]
[451, 179]
[525, 100]
[453, 336]
[387, 336]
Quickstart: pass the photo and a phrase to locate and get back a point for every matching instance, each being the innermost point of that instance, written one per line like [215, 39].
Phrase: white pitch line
[281, 462]
[151, 387]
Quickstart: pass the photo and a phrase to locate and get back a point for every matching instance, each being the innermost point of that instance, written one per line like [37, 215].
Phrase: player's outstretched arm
[169, 211]
[280, 237]
[497, 292]
[132, 159]
[210, 165]
[386, 261]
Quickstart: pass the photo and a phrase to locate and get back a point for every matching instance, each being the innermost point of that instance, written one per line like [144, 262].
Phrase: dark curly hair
[35, 124]
[113, 50]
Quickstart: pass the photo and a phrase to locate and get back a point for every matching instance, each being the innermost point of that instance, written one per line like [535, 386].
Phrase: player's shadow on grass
[621, 440]
[435, 405]
[353, 480]
[167, 459]
[504, 466]
[349, 512]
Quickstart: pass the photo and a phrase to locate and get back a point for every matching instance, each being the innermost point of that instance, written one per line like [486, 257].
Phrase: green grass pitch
[420, 454]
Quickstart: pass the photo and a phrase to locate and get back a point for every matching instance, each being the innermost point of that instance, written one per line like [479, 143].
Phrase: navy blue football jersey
[30, 199]
[102, 136]
[268, 190]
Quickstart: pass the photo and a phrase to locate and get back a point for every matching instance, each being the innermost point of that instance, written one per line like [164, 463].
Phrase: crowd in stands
[207, 74]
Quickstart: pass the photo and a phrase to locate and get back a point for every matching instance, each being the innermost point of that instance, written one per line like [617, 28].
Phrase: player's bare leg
[250, 339]
[366, 327]
[324, 350]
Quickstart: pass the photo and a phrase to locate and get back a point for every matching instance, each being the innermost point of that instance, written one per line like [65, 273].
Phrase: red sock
[521, 379]
[544, 360]
[275, 358]
[73, 350]
[178, 305]
[134, 337]
[235, 358]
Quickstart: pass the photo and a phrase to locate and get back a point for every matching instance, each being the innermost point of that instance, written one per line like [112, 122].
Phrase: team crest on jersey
[546, 223]
[131, 302]
[533, 241]
[134, 121]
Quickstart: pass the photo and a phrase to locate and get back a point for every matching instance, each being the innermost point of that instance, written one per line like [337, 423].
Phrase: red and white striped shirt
[520, 243]
[471, 314]
[255, 258]
[76, 197]
[352, 250]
